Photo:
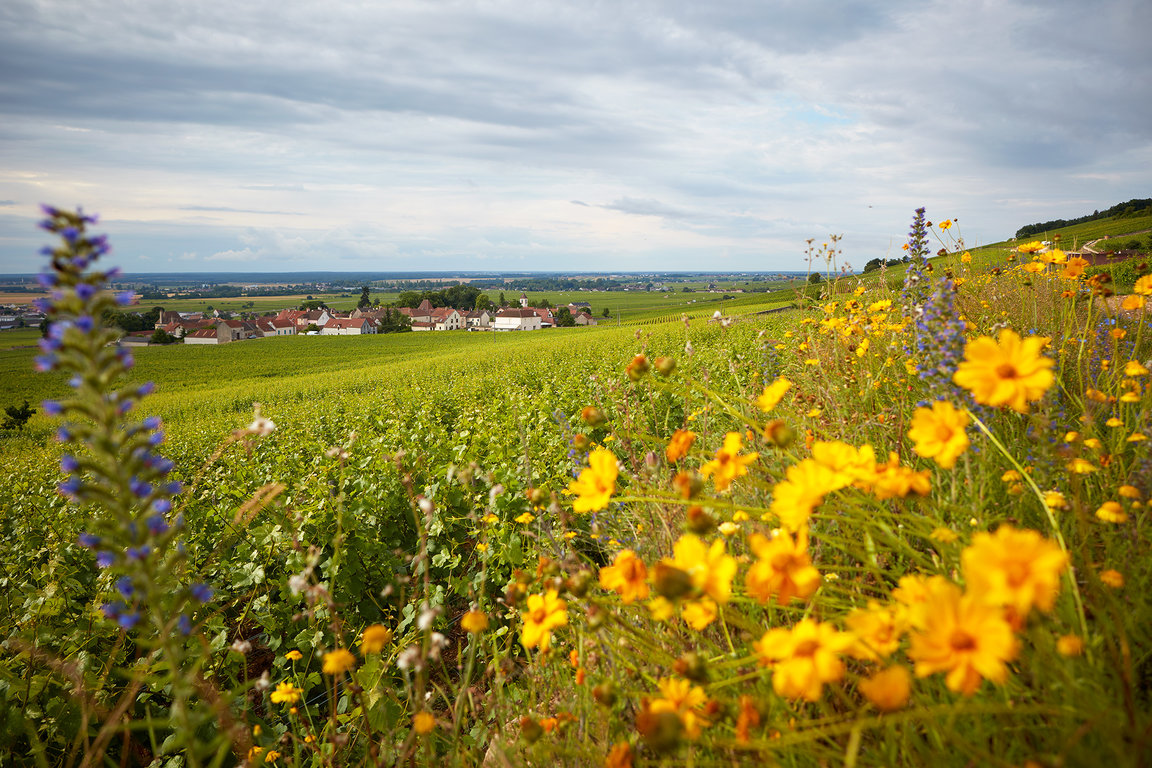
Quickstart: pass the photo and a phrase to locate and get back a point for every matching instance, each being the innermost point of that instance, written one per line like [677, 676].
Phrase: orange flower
[627, 576]
[803, 658]
[888, 690]
[965, 637]
[938, 433]
[728, 464]
[783, 570]
[1014, 568]
[679, 444]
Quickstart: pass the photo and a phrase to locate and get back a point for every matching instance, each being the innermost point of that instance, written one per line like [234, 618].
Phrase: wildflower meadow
[904, 523]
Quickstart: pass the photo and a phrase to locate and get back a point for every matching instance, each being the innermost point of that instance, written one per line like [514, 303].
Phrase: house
[203, 336]
[348, 326]
[423, 325]
[167, 318]
[281, 328]
[517, 320]
[547, 320]
[236, 330]
[477, 319]
[583, 318]
[447, 319]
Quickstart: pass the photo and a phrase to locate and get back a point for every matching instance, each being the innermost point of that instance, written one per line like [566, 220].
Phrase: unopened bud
[605, 693]
[779, 433]
[670, 581]
[638, 368]
[699, 521]
[665, 366]
[530, 729]
[692, 666]
[592, 416]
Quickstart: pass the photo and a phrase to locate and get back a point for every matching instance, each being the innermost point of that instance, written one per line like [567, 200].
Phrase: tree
[17, 416]
[814, 278]
[564, 318]
[365, 301]
[503, 301]
[606, 313]
[161, 336]
[483, 302]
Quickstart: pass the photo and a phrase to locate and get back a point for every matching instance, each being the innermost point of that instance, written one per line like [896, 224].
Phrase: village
[212, 328]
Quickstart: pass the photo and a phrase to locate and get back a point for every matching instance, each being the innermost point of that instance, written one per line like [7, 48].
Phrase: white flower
[426, 505]
[297, 582]
[410, 658]
[241, 646]
[427, 616]
[260, 425]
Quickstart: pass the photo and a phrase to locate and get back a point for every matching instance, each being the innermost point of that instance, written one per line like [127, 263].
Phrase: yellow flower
[628, 576]
[892, 480]
[1016, 568]
[803, 658]
[848, 463]
[1034, 267]
[1009, 372]
[1114, 422]
[1031, 247]
[1092, 443]
[286, 693]
[545, 613]
[1128, 492]
[1134, 368]
[620, 756]
[272, 756]
[966, 257]
[1080, 466]
[1055, 500]
[938, 433]
[944, 535]
[679, 444]
[877, 630]
[728, 464]
[888, 690]
[526, 517]
[710, 568]
[1112, 578]
[375, 638]
[700, 613]
[338, 662]
[1136, 437]
[1074, 268]
[773, 393]
[474, 622]
[684, 700]
[1133, 303]
[946, 224]
[293, 655]
[423, 722]
[1069, 645]
[1144, 286]
[802, 490]
[1112, 512]
[963, 636]
[784, 569]
[596, 484]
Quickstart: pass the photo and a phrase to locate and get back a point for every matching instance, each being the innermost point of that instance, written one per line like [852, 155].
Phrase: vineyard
[894, 523]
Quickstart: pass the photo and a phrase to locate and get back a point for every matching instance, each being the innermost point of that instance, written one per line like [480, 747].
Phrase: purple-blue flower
[69, 464]
[124, 587]
[163, 506]
[85, 291]
[157, 525]
[152, 422]
[52, 407]
[89, 540]
[105, 559]
[124, 298]
[202, 593]
[184, 624]
[128, 620]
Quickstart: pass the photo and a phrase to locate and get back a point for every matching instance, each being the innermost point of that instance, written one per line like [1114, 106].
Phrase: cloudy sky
[611, 135]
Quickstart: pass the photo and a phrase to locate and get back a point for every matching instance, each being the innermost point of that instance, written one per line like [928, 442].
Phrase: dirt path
[1088, 246]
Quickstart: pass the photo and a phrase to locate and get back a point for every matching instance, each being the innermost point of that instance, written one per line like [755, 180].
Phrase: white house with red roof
[348, 326]
[517, 320]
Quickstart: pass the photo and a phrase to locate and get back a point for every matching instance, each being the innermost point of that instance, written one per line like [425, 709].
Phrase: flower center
[806, 648]
[1006, 371]
[962, 641]
[539, 614]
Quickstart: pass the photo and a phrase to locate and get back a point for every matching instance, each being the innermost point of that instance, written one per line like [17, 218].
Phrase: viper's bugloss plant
[112, 470]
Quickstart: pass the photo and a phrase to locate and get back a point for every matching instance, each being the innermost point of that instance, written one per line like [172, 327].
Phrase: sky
[589, 136]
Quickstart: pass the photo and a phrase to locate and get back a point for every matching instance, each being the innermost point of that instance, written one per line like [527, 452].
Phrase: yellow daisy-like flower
[1129, 492]
[375, 638]
[1032, 247]
[1134, 368]
[710, 567]
[1016, 568]
[728, 464]
[1133, 303]
[1112, 578]
[293, 655]
[544, 613]
[339, 661]
[944, 535]
[1080, 466]
[877, 630]
[1112, 512]
[1144, 286]
[803, 658]
[1010, 371]
[698, 614]
[939, 433]
[888, 690]
[596, 484]
[525, 518]
[772, 394]
[423, 723]
[802, 490]
[1074, 269]
[1055, 500]
[627, 576]
[683, 699]
[286, 693]
[1069, 645]
[474, 622]
[966, 257]
[962, 636]
[783, 569]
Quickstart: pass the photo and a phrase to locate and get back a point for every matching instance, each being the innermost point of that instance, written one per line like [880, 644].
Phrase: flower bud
[580, 442]
[670, 581]
[530, 729]
[692, 666]
[592, 416]
[660, 730]
[779, 433]
[699, 521]
[638, 368]
[578, 583]
[665, 366]
[605, 693]
[538, 497]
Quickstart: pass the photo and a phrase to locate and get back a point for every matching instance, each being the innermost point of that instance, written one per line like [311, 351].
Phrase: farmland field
[832, 535]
